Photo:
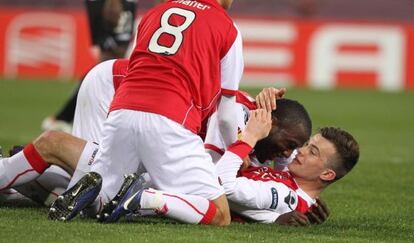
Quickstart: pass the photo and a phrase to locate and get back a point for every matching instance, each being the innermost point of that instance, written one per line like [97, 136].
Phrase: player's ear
[327, 175]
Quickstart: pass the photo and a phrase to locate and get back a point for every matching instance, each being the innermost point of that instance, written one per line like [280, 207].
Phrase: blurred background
[321, 44]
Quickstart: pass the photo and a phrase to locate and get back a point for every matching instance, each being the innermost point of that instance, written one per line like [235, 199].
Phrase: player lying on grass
[95, 94]
[261, 193]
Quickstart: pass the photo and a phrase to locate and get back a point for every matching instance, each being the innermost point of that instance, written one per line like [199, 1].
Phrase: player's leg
[50, 148]
[59, 148]
[43, 190]
[181, 207]
[95, 96]
[177, 162]
[117, 156]
[133, 197]
[21, 167]
[47, 187]
[118, 152]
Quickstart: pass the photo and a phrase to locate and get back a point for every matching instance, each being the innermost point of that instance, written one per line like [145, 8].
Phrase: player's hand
[258, 126]
[266, 99]
[293, 219]
[111, 12]
[318, 213]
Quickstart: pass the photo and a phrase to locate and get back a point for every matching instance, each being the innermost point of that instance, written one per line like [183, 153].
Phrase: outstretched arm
[227, 119]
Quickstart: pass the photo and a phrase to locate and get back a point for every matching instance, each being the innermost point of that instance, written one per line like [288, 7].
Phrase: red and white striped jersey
[213, 141]
[187, 54]
[262, 194]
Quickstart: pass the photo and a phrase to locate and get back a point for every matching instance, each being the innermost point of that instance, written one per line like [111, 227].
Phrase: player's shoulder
[120, 67]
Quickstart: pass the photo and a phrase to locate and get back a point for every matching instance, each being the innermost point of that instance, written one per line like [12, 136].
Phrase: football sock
[47, 187]
[23, 167]
[84, 163]
[184, 208]
[67, 112]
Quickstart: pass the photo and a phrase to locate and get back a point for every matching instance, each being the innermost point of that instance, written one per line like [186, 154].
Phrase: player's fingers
[319, 212]
[322, 204]
[310, 217]
[302, 219]
[293, 222]
[269, 118]
[273, 98]
[260, 101]
[259, 112]
[281, 92]
[252, 114]
[313, 217]
[270, 96]
[257, 99]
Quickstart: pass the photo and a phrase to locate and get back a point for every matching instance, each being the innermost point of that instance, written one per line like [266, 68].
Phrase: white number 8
[176, 31]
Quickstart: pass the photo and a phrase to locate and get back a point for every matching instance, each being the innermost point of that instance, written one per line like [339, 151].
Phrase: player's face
[311, 161]
[279, 144]
[226, 4]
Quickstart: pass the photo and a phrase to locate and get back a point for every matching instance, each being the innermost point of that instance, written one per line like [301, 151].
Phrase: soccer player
[111, 25]
[95, 95]
[329, 155]
[187, 54]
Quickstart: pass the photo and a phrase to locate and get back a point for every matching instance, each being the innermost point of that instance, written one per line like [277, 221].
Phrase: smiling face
[311, 162]
[280, 143]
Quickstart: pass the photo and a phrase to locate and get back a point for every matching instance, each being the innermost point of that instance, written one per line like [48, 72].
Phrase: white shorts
[94, 98]
[173, 156]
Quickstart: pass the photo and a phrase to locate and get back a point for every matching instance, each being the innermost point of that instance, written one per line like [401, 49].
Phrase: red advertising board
[44, 44]
[328, 54]
[318, 54]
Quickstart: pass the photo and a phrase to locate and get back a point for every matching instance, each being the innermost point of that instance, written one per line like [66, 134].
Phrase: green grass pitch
[375, 203]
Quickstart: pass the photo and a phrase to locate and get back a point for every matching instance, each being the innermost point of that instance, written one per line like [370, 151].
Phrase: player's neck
[224, 4]
[312, 188]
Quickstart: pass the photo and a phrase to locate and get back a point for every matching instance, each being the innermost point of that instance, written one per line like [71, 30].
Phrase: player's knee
[45, 143]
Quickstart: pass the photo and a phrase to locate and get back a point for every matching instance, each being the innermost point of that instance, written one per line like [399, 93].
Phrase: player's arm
[231, 68]
[227, 119]
[258, 127]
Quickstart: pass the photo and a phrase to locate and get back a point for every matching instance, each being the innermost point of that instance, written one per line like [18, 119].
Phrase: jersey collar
[213, 3]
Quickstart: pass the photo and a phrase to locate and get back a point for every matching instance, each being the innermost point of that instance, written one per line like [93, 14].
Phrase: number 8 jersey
[188, 54]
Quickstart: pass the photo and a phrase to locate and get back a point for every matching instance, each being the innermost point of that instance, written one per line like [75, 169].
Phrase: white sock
[184, 208]
[84, 164]
[47, 187]
[22, 167]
